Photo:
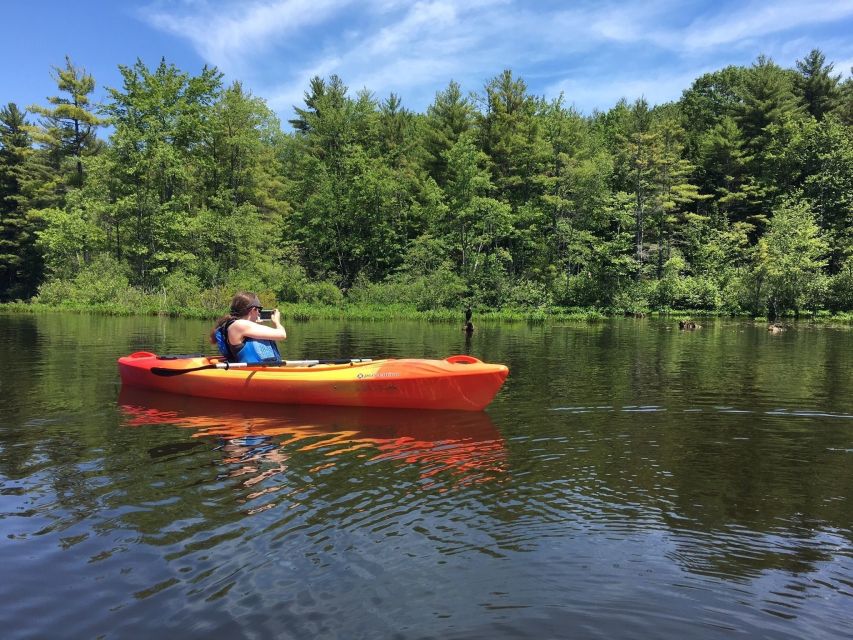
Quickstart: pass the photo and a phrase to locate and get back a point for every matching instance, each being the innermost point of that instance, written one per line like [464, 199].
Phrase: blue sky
[593, 52]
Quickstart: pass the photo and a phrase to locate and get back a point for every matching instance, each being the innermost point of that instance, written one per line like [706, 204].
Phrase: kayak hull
[457, 383]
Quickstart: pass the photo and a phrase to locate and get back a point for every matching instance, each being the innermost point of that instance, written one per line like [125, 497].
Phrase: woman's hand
[246, 328]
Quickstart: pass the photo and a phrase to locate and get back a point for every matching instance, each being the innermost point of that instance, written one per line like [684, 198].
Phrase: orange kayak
[458, 382]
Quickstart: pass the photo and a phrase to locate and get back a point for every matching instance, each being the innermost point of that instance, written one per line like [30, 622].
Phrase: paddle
[160, 371]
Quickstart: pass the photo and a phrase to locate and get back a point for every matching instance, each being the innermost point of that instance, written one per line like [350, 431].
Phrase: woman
[240, 336]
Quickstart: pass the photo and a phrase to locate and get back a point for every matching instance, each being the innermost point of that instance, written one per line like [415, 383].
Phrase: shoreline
[301, 312]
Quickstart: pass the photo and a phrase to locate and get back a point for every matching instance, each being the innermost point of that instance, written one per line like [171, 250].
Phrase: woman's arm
[241, 329]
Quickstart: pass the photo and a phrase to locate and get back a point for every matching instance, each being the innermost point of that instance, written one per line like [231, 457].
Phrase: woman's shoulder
[241, 323]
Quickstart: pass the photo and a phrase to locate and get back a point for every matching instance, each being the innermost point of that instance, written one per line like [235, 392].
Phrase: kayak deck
[457, 382]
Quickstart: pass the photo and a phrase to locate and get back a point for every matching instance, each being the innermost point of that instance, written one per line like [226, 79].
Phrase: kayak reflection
[464, 443]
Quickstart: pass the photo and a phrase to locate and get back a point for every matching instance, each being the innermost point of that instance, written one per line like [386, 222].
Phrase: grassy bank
[153, 306]
[317, 311]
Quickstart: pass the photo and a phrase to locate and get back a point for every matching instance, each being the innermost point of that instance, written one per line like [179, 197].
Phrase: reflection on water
[256, 439]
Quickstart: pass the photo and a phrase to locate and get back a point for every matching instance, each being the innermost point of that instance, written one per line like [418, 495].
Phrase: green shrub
[181, 291]
[526, 294]
[576, 291]
[439, 289]
[841, 288]
[322, 292]
[685, 293]
[55, 293]
[102, 282]
[632, 299]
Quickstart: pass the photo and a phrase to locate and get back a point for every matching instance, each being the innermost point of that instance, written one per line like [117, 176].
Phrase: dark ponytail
[241, 304]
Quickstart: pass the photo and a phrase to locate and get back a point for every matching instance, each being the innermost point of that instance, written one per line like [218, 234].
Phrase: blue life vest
[252, 351]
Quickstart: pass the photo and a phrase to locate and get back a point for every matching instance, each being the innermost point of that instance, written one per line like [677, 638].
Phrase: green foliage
[180, 291]
[823, 155]
[685, 293]
[68, 128]
[737, 198]
[321, 292]
[161, 119]
[449, 117]
[439, 288]
[768, 106]
[840, 294]
[817, 87]
[69, 240]
[787, 261]
[528, 295]
[20, 264]
[510, 136]
[631, 300]
[102, 282]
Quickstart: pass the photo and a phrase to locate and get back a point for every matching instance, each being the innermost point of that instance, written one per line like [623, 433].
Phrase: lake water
[630, 481]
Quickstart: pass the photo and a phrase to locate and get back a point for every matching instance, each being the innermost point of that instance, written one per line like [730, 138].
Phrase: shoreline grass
[368, 312]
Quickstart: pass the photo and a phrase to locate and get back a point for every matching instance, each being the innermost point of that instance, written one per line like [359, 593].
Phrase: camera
[266, 314]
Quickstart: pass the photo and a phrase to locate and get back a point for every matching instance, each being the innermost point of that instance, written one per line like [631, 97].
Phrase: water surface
[630, 481]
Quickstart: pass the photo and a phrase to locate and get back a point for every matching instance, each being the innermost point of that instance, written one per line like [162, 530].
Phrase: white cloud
[229, 37]
[656, 87]
[422, 20]
[843, 67]
[415, 48]
[756, 19]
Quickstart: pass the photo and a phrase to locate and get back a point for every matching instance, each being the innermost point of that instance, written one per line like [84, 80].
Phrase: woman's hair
[241, 304]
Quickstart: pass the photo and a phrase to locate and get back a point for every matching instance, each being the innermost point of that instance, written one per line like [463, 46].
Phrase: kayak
[456, 383]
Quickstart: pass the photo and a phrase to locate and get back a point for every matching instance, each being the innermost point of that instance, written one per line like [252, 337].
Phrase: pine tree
[68, 127]
[20, 264]
[476, 222]
[575, 185]
[672, 186]
[312, 98]
[711, 97]
[243, 194]
[767, 99]
[817, 88]
[510, 136]
[844, 109]
[636, 157]
[768, 107]
[447, 119]
[825, 154]
[723, 171]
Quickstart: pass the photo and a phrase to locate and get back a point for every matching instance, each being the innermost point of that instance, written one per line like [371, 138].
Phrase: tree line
[736, 198]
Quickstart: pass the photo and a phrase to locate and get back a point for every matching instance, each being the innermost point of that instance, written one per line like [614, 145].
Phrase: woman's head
[241, 307]
[243, 303]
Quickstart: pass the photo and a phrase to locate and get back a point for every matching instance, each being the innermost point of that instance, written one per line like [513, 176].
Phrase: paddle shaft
[165, 372]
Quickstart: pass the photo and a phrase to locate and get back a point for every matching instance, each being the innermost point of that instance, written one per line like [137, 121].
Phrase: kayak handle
[462, 360]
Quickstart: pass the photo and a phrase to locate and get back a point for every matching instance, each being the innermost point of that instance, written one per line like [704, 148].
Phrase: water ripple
[779, 412]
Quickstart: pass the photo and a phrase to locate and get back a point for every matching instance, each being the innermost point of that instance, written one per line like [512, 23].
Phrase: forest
[178, 190]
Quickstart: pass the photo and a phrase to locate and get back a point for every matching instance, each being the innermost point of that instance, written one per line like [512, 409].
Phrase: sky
[593, 52]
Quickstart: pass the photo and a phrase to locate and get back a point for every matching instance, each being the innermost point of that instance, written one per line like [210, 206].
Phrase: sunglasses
[256, 307]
